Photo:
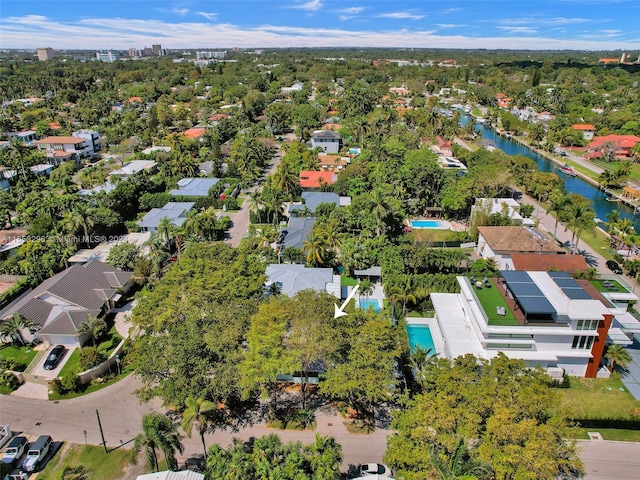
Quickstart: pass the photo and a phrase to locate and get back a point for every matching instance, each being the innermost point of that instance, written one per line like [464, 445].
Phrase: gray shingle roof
[298, 230]
[325, 135]
[295, 278]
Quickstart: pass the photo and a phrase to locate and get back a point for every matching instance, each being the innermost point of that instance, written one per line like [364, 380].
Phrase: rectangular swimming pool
[420, 335]
[427, 224]
[367, 303]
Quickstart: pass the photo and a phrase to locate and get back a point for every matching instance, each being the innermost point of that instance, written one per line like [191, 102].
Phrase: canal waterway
[601, 205]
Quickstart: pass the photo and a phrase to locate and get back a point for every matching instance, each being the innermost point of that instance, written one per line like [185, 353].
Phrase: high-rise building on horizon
[108, 57]
[44, 54]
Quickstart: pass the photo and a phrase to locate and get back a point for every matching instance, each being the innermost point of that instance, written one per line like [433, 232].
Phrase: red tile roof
[135, 100]
[218, 116]
[535, 262]
[620, 141]
[583, 126]
[194, 132]
[313, 179]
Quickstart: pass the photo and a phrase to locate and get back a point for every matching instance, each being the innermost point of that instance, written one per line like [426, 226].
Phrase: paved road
[605, 460]
[121, 417]
[240, 218]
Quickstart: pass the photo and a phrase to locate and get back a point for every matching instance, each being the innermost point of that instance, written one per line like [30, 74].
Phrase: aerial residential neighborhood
[329, 247]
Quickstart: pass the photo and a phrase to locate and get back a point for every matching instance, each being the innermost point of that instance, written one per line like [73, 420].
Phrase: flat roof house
[133, 167]
[61, 303]
[544, 318]
[328, 140]
[194, 187]
[500, 243]
[174, 211]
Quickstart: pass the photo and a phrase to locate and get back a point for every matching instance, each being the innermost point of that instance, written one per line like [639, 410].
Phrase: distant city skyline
[198, 24]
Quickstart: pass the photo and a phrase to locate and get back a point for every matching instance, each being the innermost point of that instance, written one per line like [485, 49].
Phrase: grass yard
[21, 355]
[598, 398]
[616, 288]
[98, 464]
[490, 299]
[615, 434]
[94, 387]
[597, 240]
[433, 235]
[348, 281]
[635, 168]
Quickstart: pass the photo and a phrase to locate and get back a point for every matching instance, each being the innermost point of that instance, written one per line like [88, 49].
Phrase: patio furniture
[502, 311]
[487, 284]
[479, 285]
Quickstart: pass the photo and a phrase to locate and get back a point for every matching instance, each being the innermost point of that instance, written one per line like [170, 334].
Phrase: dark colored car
[54, 357]
[614, 267]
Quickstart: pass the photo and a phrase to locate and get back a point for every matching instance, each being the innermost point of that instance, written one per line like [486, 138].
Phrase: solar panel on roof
[566, 282]
[559, 275]
[525, 290]
[536, 306]
[515, 276]
[576, 294]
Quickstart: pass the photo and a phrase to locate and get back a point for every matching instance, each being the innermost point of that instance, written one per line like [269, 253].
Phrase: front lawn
[598, 399]
[93, 460]
[432, 235]
[615, 288]
[20, 355]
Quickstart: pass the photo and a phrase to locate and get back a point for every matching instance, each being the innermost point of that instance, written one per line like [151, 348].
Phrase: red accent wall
[598, 346]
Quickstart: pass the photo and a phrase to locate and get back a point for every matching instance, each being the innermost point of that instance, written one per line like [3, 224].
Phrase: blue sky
[506, 24]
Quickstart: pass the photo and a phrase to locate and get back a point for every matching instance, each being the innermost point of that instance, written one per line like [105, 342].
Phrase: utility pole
[104, 444]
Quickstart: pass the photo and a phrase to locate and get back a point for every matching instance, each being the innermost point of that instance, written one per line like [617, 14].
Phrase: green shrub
[68, 383]
[8, 382]
[91, 357]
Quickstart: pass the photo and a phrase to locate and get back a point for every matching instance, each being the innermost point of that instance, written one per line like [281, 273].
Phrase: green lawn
[348, 281]
[616, 434]
[105, 466]
[617, 286]
[21, 355]
[490, 299]
[433, 235]
[598, 398]
[635, 168]
[108, 343]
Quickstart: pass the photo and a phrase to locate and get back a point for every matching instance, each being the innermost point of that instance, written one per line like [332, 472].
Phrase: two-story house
[328, 140]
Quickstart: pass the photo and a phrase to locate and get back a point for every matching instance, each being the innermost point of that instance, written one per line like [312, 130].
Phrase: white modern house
[328, 140]
[546, 319]
[506, 206]
[81, 144]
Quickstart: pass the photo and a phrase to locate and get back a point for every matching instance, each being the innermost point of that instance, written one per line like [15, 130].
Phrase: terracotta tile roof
[194, 132]
[620, 141]
[543, 263]
[583, 126]
[331, 126]
[518, 239]
[135, 100]
[60, 140]
[218, 116]
[312, 179]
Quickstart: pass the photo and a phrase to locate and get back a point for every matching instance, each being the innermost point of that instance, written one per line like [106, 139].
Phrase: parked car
[54, 357]
[14, 450]
[375, 469]
[36, 453]
[614, 267]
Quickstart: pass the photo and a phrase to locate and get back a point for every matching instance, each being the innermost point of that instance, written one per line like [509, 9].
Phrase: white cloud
[351, 10]
[449, 25]
[566, 21]
[33, 31]
[209, 15]
[401, 15]
[519, 29]
[180, 11]
[312, 5]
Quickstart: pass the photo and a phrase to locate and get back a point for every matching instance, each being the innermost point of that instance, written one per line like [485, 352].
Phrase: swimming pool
[420, 335]
[368, 303]
[428, 224]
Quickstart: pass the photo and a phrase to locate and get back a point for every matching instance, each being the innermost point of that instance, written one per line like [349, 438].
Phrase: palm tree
[80, 217]
[420, 360]
[255, 204]
[460, 465]
[404, 295]
[13, 327]
[197, 415]
[159, 433]
[557, 204]
[325, 457]
[314, 247]
[165, 229]
[94, 326]
[366, 288]
[617, 355]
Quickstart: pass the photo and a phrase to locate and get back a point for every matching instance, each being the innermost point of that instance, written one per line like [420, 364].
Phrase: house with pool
[544, 318]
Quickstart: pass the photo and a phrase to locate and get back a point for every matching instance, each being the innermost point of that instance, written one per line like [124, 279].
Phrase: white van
[37, 451]
[14, 450]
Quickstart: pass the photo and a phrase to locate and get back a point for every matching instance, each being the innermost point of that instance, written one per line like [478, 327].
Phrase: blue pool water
[367, 303]
[420, 335]
[427, 224]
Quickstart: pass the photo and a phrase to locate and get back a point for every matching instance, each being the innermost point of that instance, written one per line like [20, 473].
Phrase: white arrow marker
[338, 312]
